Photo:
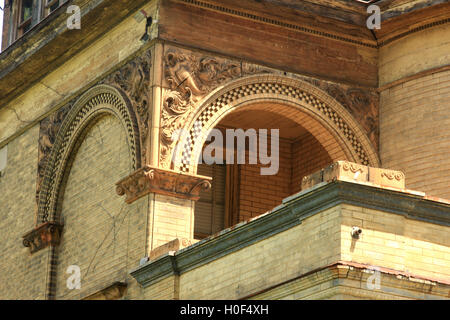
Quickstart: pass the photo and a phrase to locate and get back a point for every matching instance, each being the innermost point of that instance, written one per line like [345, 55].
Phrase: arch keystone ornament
[99, 101]
[274, 89]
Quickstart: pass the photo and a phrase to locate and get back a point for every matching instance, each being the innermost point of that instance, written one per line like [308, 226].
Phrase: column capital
[162, 181]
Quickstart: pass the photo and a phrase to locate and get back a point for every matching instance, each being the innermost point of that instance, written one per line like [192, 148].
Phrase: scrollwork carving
[391, 175]
[188, 78]
[348, 166]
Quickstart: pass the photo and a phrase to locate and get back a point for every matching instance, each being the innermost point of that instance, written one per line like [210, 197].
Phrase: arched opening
[97, 144]
[239, 190]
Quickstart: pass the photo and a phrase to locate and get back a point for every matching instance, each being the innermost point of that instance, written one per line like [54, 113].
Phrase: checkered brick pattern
[266, 88]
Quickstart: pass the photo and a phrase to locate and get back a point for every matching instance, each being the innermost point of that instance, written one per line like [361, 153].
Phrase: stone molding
[167, 182]
[44, 235]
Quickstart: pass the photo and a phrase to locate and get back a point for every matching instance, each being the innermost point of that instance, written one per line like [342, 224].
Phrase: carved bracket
[153, 180]
[48, 233]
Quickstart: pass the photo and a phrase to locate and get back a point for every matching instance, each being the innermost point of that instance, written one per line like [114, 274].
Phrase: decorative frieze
[154, 180]
[44, 235]
[353, 172]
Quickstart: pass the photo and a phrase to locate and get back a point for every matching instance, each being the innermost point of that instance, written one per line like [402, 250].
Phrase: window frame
[19, 25]
[46, 7]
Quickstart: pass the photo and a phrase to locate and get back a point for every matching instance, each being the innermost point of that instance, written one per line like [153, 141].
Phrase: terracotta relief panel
[134, 80]
[188, 78]
[362, 103]
[48, 130]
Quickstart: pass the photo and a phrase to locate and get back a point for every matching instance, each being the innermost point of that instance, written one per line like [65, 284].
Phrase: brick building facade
[87, 146]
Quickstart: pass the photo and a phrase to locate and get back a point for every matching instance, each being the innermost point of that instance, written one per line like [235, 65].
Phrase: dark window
[210, 208]
[25, 13]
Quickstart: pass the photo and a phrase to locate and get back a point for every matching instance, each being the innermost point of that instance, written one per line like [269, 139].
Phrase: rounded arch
[295, 93]
[95, 103]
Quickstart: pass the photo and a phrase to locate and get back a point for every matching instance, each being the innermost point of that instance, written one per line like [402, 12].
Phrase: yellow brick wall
[417, 52]
[296, 251]
[388, 241]
[171, 218]
[393, 241]
[103, 235]
[22, 275]
[415, 132]
[166, 289]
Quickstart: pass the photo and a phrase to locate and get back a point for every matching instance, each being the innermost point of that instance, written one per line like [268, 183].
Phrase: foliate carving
[48, 131]
[188, 78]
[134, 80]
[44, 235]
[362, 103]
[153, 180]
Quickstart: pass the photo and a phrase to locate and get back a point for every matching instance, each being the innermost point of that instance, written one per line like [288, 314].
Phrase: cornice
[369, 42]
[422, 15]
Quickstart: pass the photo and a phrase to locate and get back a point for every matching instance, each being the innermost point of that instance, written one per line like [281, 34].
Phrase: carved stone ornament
[153, 180]
[188, 78]
[134, 79]
[353, 172]
[362, 103]
[44, 235]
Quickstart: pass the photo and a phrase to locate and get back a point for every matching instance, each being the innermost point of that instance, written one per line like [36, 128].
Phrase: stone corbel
[161, 181]
[48, 233]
